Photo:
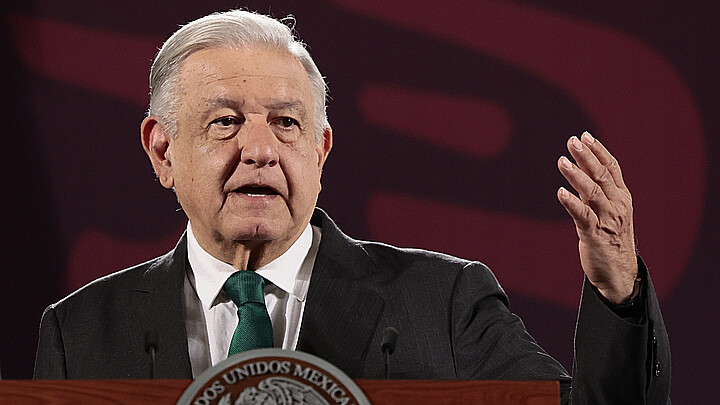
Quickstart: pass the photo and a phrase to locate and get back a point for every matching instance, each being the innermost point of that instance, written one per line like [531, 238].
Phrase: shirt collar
[210, 273]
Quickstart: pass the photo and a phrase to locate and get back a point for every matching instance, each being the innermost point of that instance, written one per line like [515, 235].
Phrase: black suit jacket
[451, 315]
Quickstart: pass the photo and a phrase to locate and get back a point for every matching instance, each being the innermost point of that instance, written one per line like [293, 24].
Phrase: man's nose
[259, 145]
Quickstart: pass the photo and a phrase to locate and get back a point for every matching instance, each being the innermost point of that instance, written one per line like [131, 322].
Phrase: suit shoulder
[386, 250]
[418, 259]
[108, 286]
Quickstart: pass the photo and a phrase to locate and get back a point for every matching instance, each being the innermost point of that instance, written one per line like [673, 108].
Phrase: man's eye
[225, 121]
[287, 122]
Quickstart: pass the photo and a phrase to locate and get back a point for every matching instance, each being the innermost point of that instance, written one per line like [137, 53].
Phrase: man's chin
[257, 232]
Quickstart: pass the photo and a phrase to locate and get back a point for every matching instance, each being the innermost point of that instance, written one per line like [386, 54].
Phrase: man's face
[245, 164]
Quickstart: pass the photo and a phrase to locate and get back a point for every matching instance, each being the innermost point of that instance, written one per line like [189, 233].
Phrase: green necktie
[254, 330]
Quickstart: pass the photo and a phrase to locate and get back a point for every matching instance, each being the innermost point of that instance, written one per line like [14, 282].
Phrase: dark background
[448, 121]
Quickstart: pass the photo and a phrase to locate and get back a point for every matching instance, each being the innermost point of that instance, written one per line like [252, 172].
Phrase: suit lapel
[158, 304]
[342, 310]
[339, 320]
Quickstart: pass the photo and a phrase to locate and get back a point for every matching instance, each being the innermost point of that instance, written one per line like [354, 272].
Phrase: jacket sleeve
[618, 361]
[50, 358]
[490, 342]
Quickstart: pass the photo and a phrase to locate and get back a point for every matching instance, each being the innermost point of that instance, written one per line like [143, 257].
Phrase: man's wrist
[633, 308]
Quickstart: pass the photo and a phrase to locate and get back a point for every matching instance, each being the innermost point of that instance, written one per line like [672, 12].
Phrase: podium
[379, 392]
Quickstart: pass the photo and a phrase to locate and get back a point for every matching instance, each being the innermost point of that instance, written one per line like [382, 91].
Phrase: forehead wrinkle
[287, 85]
[211, 78]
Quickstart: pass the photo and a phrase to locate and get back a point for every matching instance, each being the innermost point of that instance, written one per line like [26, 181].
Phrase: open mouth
[256, 191]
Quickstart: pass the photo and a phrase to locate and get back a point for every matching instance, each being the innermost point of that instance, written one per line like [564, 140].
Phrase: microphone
[151, 344]
[389, 341]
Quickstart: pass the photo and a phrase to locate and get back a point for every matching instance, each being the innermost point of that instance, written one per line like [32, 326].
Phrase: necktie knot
[245, 286]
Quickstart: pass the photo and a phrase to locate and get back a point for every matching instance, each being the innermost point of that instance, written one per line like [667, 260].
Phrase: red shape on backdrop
[643, 112]
[112, 63]
[115, 64]
[439, 119]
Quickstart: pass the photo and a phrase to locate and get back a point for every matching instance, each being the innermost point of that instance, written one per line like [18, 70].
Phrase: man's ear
[156, 142]
[323, 148]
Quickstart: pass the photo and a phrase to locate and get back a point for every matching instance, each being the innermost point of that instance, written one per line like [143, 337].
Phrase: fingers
[583, 216]
[589, 190]
[604, 158]
[586, 153]
[597, 176]
[602, 212]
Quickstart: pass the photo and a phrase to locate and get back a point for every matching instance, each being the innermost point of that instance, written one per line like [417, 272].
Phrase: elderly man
[237, 128]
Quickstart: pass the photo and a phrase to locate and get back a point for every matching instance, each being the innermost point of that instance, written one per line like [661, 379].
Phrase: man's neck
[246, 255]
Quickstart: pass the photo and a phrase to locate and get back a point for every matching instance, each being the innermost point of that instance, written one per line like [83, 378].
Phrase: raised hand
[603, 216]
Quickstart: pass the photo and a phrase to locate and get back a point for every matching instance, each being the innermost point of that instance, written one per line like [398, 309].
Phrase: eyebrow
[222, 102]
[287, 105]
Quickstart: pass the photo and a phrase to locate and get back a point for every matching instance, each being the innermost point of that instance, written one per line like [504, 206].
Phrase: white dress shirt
[211, 317]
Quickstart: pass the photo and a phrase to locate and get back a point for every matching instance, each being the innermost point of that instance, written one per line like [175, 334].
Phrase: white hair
[235, 29]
